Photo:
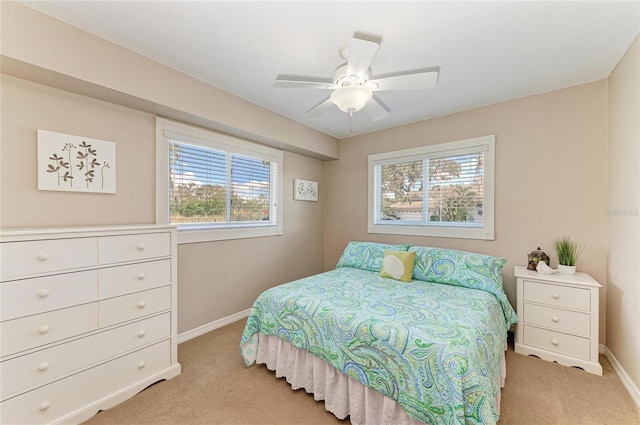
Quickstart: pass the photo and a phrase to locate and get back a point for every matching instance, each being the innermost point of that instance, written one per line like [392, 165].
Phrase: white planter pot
[566, 269]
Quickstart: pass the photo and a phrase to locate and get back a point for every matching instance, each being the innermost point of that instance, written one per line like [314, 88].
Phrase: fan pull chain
[350, 120]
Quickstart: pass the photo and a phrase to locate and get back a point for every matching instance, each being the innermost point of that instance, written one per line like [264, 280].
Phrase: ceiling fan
[352, 86]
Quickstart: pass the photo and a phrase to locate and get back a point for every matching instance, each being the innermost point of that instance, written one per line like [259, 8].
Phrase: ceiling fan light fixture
[351, 98]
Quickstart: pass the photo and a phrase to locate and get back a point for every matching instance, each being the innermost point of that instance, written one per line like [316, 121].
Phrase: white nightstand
[559, 318]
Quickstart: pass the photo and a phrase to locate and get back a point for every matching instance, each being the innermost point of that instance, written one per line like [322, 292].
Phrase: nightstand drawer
[114, 249]
[557, 295]
[40, 329]
[557, 342]
[33, 257]
[26, 297]
[121, 280]
[557, 319]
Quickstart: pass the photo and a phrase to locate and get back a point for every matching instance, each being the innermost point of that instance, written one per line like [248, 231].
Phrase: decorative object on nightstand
[535, 256]
[559, 318]
[568, 252]
[543, 268]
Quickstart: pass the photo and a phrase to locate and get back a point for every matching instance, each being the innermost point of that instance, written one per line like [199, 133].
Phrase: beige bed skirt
[343, 396]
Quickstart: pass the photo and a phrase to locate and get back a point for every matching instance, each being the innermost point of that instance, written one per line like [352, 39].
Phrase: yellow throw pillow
[398, 265]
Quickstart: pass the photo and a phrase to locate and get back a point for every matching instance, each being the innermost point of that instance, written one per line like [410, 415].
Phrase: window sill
[186, 236]
[435, 231]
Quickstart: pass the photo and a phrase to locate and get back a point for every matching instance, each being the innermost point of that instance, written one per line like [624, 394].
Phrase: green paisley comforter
[434, 348]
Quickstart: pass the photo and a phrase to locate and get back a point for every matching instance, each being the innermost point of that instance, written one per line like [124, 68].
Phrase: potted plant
[568, 252]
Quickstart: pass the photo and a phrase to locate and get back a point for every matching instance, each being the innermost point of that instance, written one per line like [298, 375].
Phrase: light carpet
[215, 387]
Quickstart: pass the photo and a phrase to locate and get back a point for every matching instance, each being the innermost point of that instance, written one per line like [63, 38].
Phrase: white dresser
[87, 319]
[559, 318]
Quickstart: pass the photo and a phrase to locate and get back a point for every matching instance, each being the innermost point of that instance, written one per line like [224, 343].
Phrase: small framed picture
[305, 190]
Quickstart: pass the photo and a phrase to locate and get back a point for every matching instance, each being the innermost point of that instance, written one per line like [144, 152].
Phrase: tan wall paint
[226, 277]
[544, 144]
[72, 82]
[28, 107]
[39, 48]
[215, 279]
[623, 223]
[539, 141]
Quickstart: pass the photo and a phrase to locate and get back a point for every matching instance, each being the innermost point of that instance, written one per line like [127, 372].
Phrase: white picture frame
[305, 190]
[75, 164]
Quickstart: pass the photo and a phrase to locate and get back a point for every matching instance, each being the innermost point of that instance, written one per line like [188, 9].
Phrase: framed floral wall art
[305, 190]
[75, 164]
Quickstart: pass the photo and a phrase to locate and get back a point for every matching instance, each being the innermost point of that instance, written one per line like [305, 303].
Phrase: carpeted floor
[215, 388]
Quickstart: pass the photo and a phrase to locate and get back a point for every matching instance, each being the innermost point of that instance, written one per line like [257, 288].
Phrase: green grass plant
[568, 251]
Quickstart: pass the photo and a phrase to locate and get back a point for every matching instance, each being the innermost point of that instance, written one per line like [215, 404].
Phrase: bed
[395, 334]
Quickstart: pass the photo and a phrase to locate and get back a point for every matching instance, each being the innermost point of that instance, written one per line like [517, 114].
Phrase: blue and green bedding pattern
[435, 348]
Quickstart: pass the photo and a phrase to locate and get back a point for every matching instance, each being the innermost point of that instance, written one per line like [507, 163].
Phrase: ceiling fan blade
[376, 109]
[302, 83]
[414, 81]
[360, 54]
[319, 108]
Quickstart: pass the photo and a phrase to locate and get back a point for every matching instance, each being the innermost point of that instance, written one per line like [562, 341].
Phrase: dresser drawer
[557, 342]
[133, 306]
[42, 256]
[557, 295]
[558, 319]
[43, 366]
[32, 296]
[121, 280]
[51, 402]
[114, 249]
[34, 331]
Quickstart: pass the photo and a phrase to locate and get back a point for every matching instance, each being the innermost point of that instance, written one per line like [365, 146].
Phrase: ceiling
[486, 52]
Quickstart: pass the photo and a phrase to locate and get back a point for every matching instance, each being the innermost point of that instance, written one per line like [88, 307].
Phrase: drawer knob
[44, 329]
[555, 295]
[43, 256]
[43, 293]
[45, 405]
[555, 342]
[141, 276]
[140, 246]
[141, 365]
[142, 333]
[555, 319]
[142, 304]
[43, 366]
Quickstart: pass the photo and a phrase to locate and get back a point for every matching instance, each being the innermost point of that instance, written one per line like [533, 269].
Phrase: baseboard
[211, 326]
[626, 380]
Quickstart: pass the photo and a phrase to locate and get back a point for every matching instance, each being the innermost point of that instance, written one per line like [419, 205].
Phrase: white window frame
[484, 144]
[203, 232]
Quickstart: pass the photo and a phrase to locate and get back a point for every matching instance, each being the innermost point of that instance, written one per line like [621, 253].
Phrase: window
[441, 190]
[213, 186]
